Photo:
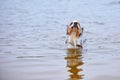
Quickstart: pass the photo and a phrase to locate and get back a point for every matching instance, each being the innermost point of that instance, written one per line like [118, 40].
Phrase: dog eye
[71, 23]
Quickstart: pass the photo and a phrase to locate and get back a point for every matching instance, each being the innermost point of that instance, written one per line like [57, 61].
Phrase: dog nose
[75, 24]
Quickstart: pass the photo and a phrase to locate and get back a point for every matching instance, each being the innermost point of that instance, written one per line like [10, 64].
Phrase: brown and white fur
[74, 32]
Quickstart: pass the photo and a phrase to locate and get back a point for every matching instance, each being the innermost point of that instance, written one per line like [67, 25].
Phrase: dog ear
[69, 30]
[79, 32]
[82, 29]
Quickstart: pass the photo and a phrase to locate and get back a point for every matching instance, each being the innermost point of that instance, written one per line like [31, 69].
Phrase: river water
[33, 34]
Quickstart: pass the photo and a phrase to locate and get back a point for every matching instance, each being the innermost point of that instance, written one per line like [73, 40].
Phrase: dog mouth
[75, 25]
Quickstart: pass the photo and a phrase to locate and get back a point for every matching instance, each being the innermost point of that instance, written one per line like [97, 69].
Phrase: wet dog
[74, 32]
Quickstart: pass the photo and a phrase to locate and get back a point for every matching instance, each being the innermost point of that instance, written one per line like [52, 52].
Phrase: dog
[74, 32]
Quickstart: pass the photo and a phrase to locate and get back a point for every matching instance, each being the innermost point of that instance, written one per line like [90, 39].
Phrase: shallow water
[33, 34]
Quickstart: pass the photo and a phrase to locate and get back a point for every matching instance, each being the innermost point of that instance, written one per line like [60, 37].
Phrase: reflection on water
[74, 62]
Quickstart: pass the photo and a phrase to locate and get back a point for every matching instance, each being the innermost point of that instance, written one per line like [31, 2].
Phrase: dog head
[74, 24]
[74, 27]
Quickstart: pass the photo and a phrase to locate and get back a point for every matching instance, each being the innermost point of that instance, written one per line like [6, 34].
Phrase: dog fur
[74, 32]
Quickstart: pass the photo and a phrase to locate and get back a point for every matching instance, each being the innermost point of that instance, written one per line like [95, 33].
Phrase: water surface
[33, 34]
